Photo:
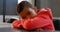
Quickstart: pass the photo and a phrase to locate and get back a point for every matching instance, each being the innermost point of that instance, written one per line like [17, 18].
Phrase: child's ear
[35, 8]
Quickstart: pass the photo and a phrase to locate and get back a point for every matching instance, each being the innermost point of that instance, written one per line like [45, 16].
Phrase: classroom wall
[53, 4]
[8, 6]
[1, 7]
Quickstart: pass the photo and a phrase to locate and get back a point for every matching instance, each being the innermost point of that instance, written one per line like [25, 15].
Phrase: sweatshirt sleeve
[43, 18]
[16, 24]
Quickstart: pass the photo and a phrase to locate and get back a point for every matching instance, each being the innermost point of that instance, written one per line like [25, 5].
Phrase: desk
[9, 29]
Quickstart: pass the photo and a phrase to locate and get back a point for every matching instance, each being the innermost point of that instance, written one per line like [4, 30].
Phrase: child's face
[27, 13]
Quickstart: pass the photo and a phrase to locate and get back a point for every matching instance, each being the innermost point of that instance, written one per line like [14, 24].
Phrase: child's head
[25, 10]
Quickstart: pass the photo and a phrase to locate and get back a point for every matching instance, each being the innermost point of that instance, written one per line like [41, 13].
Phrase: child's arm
[16, 24]
[44, 18]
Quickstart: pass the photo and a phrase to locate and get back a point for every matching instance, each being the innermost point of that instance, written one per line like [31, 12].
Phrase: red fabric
[43, 19]
[16, 24]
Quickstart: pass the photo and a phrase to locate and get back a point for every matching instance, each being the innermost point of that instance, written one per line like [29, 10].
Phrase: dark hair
[21, 6]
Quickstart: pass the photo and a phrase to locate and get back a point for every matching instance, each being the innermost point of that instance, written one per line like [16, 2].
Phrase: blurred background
[8, 8]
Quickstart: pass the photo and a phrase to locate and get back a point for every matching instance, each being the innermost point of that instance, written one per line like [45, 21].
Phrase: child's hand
[16, 24]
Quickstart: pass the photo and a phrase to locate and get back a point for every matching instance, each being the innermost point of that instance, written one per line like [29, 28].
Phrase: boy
[32, 20]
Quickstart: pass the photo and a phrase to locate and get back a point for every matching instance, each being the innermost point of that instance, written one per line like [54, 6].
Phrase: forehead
[25, 10]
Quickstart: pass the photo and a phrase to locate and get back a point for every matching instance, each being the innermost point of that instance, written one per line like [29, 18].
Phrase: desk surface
[4, 27]
[9, 29]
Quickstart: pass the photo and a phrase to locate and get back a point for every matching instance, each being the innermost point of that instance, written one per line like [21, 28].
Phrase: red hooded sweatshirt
[42, 20]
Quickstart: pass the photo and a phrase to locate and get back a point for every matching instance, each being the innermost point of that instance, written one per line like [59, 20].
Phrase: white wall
[31, 1]
[1, 18]
[19, 1]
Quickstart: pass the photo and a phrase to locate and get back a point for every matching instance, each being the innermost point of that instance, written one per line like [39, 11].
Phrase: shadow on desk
[23, 30]
[9, 29]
